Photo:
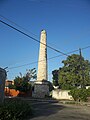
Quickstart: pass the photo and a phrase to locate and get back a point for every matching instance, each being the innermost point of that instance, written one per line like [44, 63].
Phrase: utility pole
[82, 70]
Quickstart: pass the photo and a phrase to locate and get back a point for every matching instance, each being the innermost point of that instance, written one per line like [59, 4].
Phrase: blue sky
[67, 23]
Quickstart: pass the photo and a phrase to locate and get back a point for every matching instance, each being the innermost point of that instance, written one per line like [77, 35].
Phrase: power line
[31, 37]
[34, 40]
[14, 23]
[17, 25]
[47, 59]
[85, 48]
[37, 61]
[24, 29]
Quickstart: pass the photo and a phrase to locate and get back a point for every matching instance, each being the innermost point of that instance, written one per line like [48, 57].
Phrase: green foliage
[80, 94]
[73, 73]
[11, 86]
[88, 92]
[15, 110]
[31, 74]
[22, 83]
[50, 86]
[55, 77]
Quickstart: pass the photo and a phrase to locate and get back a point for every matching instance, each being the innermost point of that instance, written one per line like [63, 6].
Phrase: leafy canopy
[55, 77]
[74, 73]
[22, 83]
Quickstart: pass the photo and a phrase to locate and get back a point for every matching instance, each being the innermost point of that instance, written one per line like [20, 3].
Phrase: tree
[74, 73]
[55, 77]
[22, 83]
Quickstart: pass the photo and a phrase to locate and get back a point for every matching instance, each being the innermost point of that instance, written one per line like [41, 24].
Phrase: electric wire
[48, 58]
[31, 33]
[36, 41]
[14, 23]
[31, 37]
[17, 25]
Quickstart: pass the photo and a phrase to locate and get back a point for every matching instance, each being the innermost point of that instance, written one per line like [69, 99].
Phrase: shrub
[15, 110]
[88, 92]
[80, 94]
[74, 94]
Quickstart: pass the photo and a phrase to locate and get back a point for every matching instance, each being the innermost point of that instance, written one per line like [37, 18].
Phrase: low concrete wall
[61, 94]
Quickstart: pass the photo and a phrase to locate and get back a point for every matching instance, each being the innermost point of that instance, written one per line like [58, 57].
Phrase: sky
[67, 23]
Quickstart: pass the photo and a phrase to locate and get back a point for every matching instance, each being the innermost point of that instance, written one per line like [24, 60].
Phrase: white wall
[61, 94]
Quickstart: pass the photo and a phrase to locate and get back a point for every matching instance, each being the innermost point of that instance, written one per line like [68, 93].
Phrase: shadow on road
[57, 111]
[46, 108]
